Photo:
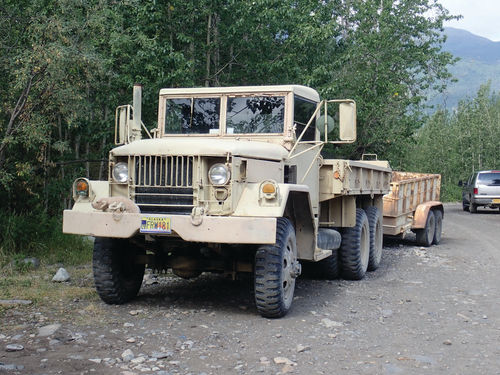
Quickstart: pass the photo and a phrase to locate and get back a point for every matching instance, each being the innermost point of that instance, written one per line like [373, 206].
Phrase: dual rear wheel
[361, 248]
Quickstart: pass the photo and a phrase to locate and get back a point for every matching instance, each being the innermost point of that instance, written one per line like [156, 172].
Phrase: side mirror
[122, 116]
[347, 121]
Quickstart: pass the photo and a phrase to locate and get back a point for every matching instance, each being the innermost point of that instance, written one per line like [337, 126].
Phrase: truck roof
[303, 91]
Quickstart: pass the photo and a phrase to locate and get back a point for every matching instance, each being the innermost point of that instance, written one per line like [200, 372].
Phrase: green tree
[388, 56]
[66, 64]
[455, 144]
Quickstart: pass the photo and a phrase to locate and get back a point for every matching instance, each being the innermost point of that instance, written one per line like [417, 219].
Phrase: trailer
[413, 205]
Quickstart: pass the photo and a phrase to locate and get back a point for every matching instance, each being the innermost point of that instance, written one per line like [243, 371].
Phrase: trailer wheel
[355, 248]
[376, 237]
[438, 217]
[276, 268]
[425, 236]
[117, 276]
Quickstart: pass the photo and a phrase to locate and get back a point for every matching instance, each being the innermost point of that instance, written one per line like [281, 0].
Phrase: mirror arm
[318, 107]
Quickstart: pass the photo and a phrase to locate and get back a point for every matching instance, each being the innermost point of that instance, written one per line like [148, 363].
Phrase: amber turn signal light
[82, 188]
[269, 189]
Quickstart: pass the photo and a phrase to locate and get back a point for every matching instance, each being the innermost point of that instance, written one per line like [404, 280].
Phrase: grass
[451, 192]
[21, 280]
[37, 285]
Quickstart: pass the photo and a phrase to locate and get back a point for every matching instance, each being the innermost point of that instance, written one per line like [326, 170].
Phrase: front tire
[117, 275]
[276, 268]
[355, 248]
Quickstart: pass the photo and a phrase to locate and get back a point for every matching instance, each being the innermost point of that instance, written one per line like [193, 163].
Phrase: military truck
[232, 180]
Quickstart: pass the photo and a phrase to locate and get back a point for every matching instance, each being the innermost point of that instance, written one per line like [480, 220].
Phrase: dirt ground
[424, 311]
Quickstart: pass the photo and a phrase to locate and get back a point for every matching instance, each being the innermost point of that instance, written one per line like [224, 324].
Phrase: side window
[303, 110]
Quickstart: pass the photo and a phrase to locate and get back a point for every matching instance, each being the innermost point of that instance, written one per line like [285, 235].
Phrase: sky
[480, 17]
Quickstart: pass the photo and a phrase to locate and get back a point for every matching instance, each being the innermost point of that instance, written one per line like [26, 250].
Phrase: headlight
[219, 174]
[120, 172]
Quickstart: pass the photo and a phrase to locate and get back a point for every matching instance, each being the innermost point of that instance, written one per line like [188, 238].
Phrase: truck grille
[164, 184]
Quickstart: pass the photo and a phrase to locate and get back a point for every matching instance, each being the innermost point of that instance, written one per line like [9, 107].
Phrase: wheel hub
[296, 269]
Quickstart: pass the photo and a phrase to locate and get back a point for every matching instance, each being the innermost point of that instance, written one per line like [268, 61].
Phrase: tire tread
[268, 293]
[112, 285]
[350, 250]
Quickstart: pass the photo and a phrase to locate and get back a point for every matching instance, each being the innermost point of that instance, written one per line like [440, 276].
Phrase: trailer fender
[420, 216]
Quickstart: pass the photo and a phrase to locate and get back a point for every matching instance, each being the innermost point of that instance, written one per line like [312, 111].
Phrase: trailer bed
[408, 191]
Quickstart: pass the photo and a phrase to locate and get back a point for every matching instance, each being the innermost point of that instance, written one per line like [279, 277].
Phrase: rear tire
[465, 207]
[376, 237]
[438, 216]
[329, 268]
[276, 268]
[117, 276]
[426, 236]
[355, 248]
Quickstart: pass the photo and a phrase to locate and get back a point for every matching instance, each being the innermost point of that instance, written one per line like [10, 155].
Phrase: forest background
[66, 64]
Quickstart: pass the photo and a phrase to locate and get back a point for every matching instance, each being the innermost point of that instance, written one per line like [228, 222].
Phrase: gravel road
[424, 311]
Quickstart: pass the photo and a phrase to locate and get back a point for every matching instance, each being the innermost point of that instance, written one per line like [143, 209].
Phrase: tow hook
[197, 215]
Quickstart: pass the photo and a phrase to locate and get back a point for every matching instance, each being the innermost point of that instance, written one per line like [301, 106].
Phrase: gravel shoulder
[425, 310]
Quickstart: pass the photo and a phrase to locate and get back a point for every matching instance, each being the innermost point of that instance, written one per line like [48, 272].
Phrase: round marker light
[82, 188]
[120, 172]
[268, 188]
[219, 174]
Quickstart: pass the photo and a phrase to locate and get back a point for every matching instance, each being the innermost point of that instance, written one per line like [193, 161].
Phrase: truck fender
[420, 216]
[292, 201]
[298, 208]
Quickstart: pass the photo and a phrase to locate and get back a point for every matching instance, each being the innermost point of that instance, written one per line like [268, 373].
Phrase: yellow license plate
[155, 224]
[496, 201]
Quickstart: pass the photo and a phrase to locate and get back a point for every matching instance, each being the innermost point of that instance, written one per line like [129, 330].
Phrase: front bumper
[212, 229]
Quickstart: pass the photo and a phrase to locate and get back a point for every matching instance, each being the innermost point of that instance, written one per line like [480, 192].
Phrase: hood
[204, 147]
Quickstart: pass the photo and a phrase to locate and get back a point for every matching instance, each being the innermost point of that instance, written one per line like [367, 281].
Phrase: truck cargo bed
[349, 177]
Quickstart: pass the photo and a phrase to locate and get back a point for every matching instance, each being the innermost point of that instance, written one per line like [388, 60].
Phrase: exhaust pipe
[137, 119]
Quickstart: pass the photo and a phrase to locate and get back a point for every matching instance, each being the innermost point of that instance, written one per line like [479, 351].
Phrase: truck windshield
[255, 114]
[489, 179]
[192, 116]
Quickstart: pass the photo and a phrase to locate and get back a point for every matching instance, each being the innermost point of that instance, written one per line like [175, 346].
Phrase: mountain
[466, 45]
[479, 64]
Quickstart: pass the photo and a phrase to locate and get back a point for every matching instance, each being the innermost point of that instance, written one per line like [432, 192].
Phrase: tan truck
[413, 205]
[232, 181]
